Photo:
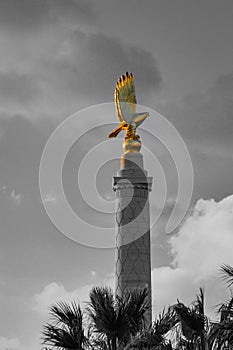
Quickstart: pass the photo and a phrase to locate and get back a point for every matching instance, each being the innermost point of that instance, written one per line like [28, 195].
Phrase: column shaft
[133, 252]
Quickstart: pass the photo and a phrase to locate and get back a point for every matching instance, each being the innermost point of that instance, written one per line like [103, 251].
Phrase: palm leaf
[136, 302]
[227, 274]
[101, 310]
[63, 313]
[154, 337]
[117, 318]
[165, 321]
[66, 330]
[192, 323]
[199, 302]
[221, 334]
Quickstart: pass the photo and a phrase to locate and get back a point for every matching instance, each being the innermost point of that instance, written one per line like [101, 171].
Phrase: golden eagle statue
[125, 101]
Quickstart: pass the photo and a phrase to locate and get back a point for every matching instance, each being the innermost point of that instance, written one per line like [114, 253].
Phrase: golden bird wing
[125, 98]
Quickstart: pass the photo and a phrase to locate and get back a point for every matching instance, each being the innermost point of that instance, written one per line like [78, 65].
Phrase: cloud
[66, 64]
[105, 58]
[201, 246]
[21, 145]
[11, 195]
[16, 198]
[54, 292]
[205, 116]
[207, 234]
[94, 274]
[205, 121]
[10, 343]
[50, 197]
[11, 87]
[33, 14]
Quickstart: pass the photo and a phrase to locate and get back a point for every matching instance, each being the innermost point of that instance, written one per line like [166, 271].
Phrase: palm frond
[136, 304]
[192, 323]
[117, 318]
[227, 274]
[62, 339]
[148, 339]
[66, 330]
[165, 321]
[63, 313]
[221, 334]
[101, 310]
[199, 302]
[225, 310]
[155, 336]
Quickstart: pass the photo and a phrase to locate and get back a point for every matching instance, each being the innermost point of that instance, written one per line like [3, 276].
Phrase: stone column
[133, 255]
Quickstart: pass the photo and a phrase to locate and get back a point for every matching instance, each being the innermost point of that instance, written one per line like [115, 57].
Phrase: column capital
[132, 183]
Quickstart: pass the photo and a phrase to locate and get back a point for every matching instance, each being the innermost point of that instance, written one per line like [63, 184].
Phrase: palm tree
[117, 319]
[66, 330]
[221, 333]
[155, 337]
[194, 323]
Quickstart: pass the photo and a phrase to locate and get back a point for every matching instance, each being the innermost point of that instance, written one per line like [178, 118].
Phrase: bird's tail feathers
[116, 131]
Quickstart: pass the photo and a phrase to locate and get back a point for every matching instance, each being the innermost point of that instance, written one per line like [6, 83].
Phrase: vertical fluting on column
[133, 254]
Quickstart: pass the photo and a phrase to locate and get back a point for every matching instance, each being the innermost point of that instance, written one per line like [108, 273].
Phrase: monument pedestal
[133, 256]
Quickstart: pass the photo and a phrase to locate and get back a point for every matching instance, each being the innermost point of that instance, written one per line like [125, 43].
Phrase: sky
[60, 56]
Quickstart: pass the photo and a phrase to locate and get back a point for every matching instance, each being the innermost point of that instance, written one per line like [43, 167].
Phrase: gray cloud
[21, 145]
[17, 89]
[93, 63]
[205, 115]
[63, 68]
[23, 14]
[27, 15]
[54, 61]
[205, 121]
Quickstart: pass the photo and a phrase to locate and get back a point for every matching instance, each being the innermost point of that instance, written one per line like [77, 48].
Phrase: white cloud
[11, 195]
[16, 198]
[93, 273]
[206, 237]
[54, 292]
[50, 198]
[10, 343]
[203, 243]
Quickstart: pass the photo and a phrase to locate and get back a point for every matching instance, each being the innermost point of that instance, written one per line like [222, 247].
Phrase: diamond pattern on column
[133, 263]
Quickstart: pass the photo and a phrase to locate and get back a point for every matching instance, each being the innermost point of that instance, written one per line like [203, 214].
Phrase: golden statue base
[132, 145]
